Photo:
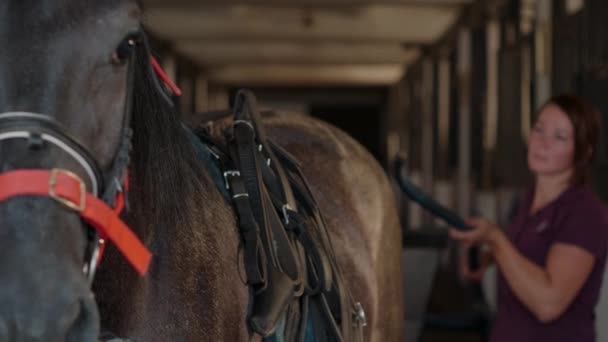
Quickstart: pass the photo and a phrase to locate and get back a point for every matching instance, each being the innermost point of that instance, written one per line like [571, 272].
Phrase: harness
[296, 288]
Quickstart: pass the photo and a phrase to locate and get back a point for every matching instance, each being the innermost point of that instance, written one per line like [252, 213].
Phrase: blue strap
[212, 163]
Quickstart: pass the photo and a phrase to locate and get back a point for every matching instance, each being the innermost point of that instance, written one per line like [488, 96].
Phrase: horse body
[196, 288]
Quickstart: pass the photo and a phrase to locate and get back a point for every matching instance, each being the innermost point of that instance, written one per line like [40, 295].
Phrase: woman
[551, 259]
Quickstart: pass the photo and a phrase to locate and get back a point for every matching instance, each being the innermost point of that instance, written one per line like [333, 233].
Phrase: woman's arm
[546, 292]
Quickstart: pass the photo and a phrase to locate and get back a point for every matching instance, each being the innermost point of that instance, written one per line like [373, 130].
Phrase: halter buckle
[80, 206]
[230, 173]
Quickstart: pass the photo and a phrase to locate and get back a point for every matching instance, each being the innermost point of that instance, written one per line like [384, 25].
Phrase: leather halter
[101, 206]
[67, 188]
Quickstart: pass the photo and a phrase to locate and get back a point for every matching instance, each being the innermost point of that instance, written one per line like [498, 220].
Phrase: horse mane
[165, 174]
[179, 213]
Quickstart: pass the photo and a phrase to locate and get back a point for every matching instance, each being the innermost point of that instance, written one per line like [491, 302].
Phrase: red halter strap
[163, 76]
[69, 190]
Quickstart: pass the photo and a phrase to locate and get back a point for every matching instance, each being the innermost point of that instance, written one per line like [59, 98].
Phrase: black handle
[474, 258]
[425, 201]
[428, 203]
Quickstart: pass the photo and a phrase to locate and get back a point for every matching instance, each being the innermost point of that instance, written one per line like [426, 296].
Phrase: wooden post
[543, 52]
[218, 98]
[201, 96]
[428, 158]
[443, 114]
[464, 124]
[169, 65]
[526, 85]
[491, 111]
[443, 184]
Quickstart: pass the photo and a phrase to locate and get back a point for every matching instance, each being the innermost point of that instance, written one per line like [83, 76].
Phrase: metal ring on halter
[90, 268]
[27, 115]
[57, 142]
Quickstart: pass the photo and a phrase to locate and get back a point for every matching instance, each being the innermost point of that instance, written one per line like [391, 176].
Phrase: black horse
[75, 79]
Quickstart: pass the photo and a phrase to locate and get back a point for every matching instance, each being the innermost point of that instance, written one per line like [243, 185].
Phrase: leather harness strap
[289, 260]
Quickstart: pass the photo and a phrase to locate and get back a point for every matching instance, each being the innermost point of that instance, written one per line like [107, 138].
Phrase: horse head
[64, 96]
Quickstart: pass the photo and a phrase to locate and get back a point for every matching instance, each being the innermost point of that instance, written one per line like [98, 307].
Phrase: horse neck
[190, 228]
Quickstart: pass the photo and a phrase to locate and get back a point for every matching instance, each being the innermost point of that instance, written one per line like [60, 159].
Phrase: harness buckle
[80, 206]
[230, 173]
[360, 316]
[285, 209]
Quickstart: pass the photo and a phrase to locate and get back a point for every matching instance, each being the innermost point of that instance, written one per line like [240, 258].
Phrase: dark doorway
[361, 122]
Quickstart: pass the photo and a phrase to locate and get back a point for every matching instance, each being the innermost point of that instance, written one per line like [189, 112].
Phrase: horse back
[359, 207]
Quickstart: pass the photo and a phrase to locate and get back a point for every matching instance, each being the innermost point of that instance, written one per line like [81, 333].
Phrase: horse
[81, 109]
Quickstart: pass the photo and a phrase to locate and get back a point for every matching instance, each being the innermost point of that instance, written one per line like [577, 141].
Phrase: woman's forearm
[545, 290]
[530, 282]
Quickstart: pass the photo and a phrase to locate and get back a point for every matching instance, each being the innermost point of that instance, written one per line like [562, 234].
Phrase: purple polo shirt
[576, 217]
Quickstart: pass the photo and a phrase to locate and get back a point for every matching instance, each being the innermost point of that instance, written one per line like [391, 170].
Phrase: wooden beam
[374, 24]
[218, 52]
[204, 37]
[304, 3]
[306, 75]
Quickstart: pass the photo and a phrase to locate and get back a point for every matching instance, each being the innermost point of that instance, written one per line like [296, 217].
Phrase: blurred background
[451, 84]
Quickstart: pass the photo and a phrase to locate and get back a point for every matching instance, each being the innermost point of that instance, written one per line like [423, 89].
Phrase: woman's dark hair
[585, 119]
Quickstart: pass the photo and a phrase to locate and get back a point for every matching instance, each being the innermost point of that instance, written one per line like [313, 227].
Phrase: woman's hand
[483, 231]
[485, 260]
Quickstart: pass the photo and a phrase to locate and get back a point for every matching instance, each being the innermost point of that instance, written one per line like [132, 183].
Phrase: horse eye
[124, 50]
